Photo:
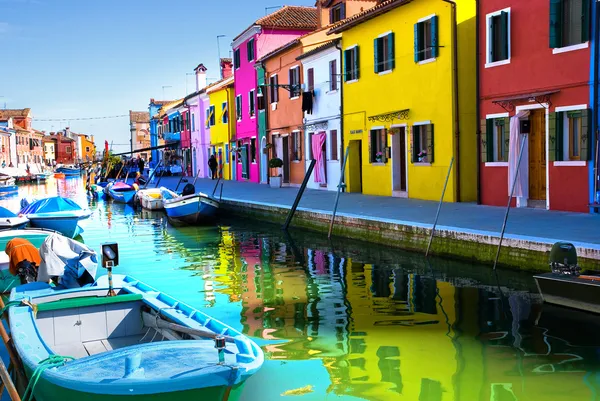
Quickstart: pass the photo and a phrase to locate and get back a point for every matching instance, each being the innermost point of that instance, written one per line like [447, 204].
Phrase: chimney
[200, 77]
[226, 67]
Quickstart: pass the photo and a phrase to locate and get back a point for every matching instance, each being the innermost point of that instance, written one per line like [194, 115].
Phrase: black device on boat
[110, 259]
[220, 346]
[563, 259]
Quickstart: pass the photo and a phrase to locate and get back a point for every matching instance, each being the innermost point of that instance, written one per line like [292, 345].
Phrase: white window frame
[296, 67]
[251, 94]
[240, 116]
[569, 163]
[431, 59]
[488, 39]
[388, 71]
[492, 117]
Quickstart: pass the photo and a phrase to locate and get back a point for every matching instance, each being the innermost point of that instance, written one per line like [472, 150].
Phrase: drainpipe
[342, 155]
[456, 100]
[478, 104]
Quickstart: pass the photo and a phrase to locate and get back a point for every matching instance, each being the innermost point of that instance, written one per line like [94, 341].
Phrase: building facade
[49, 150]
[153, 108]
[139, 128]
[88, 148]
[408, 99]
[220, 123]
[64, 147]
[554, 102]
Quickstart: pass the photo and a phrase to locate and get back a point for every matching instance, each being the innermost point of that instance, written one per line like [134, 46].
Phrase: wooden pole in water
[8, 384]
[437, 215]
[510, 196]
[341, 185]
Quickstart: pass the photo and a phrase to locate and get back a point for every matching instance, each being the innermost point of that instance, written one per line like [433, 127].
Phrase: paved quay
[465, 230]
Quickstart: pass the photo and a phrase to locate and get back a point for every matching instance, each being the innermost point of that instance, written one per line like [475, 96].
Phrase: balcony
[172, 136]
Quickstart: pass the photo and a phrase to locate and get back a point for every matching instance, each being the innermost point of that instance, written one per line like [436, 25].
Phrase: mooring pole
[152, 175]
[437, 215]
[216, 186]
[341, 185]
[299, 196]
[179, 183]
[512, 190]
[221, 194]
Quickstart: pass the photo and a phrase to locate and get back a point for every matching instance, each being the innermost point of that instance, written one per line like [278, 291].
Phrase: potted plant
[275, 181]
[422, 156]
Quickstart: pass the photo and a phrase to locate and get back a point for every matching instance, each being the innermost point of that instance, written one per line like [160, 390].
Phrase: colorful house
[220, 123]
[88, 147]
[263, 36]
[153, 108]
[408, 99]
[198, 135]
[139, 128]
[553, 102]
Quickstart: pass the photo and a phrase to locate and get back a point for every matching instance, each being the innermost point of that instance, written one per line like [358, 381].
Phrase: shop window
[296, 146]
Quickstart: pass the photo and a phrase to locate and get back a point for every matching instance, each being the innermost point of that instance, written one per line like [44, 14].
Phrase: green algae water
[344, 320]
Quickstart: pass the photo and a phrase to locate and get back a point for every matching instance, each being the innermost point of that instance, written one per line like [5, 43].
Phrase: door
[263, 160]
[220, 161]
[286, 159]
[245, 164]
[537, 155]
[354, 178]
[399, 160]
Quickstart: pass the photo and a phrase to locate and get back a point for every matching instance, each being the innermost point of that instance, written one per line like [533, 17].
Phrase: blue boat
[189, 209]
[9, 220]
[58, 214]
[69, 171]
[120, 192]
[139, 344]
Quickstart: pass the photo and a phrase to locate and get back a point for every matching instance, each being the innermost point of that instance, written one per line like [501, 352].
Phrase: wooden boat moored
[189, 208]
[69, 171]
[58, 214]
[120, 192]
[150, 199]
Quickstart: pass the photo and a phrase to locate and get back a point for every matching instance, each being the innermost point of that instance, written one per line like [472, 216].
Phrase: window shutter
[506, 143]
[555, 23]
[291, 82]
[483, 140]
[552, 136]
[560, 136]
[356, 62]
[489, 140]
[585, 20]
[504, 34]
[346, 69]
[372, 138]
[417, 54]
[430, 144]
[383, 134]
[391, 51]
[331, 15]
[376, 54]
[414, 144]
[434, 36]
[343, 11]
[586, 130]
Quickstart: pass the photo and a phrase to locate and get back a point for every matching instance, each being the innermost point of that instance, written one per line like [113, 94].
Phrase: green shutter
[391, 51]
[483, 140]
[506, 143]
[434, 36]
[489, 139]
[346, 63]
[555, 23]
[413, 145]
[586, 134]
[560, 136]
[371, 138]
[384, 134]
[430, 147]
[504, 35]
[356, 62]
[552, 137]
[376, 53]
[585, 20]
[417, 40]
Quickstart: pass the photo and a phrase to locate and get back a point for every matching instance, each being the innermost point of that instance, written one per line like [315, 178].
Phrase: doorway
[537, 158]
[286, 159]
[399, 179]
[355, 166]
[264, 163]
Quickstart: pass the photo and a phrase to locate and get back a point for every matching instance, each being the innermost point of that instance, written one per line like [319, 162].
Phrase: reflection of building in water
[227, 272]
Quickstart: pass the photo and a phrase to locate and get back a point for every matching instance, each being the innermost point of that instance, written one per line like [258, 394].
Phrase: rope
[53, 361]
[8, 305]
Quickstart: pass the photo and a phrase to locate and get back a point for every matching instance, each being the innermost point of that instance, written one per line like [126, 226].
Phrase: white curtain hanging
[522, 184]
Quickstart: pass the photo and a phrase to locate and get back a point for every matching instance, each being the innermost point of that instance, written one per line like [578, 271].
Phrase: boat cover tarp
[4, 212]
[74, 263]
[121, 186]
[51, 205]
[167, 194]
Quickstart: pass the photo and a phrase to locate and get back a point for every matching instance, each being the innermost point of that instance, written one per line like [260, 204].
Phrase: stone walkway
[542, 225]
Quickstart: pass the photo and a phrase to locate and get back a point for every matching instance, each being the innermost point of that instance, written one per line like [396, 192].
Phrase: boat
[150, 199]
[58, 214]
[7, 185]
[59, 175]
[564, 285]
[9, 220]
[35, 236]
[120, 192]
[69, 171]
[139, 344]
[189, 208]
[43, 176]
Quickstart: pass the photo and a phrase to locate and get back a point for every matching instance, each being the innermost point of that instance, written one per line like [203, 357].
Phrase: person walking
[141, 165]
[212, 164]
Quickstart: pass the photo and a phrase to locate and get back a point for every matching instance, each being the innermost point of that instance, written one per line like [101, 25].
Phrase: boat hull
[122, 196]
[68, 171]
[151, 199]
[67, 226]
[191, 210]
[571, 292]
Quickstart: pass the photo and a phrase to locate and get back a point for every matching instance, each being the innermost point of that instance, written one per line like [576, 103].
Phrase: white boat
[151, 198]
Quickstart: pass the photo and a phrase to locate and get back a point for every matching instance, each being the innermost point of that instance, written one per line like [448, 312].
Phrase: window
[337, 13]
[294, 76]
[497, 143]
[68, 149]
[570, 135]
[333, 140]
[250, 49]
[378, 145]
[426, 39]
[574, 138]
[187, 122]
[87, 149]
[251, 104]
[351, 64]
[238, 107]
[309, 151]
[310, 76]
[193, 122]
[422, 144]
[227, 153]
[498, 36]
[253, 150]
[225, 111]
[333, 75]
[273, 89]
[296, 146]
[212, 115]
[569, 22]
[236, 59]
[384, 53]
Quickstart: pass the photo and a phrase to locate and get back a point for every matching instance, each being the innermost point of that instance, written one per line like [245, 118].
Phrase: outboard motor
[563, 259]
[189, 189]
[27, 271]
[24, 203]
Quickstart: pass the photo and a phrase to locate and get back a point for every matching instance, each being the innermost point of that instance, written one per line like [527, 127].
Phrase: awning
[541, 98]
[391, 116]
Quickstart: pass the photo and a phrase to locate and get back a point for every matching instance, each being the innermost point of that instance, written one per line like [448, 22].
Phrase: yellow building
[221, 96]
[409, 99]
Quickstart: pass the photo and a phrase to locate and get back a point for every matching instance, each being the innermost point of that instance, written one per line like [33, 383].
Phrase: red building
[534, 56]
[65, 150]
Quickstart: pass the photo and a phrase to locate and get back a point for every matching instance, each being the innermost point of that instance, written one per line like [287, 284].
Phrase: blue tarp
[50, 205]
[6, 213]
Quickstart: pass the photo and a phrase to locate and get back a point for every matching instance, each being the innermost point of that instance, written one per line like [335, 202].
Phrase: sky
[73, 59]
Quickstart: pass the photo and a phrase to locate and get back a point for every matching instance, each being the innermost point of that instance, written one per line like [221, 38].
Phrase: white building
[322, 67]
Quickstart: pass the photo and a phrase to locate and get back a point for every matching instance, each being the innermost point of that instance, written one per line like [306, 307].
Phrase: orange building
[88, 147]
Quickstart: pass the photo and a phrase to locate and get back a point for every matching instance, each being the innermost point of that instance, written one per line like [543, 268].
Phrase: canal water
[344, 320]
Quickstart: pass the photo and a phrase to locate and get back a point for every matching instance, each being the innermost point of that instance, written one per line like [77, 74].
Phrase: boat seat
[82, 302]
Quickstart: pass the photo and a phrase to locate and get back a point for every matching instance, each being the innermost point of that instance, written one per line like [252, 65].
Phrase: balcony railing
[172, 136]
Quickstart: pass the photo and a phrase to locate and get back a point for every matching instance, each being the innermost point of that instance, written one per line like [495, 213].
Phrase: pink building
[265, 35]
[198, 140]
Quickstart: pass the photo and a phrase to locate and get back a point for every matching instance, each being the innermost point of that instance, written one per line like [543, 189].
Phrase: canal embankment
[465, 231]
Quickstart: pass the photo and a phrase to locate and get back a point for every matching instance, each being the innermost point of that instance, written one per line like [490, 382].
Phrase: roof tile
[7, 113]
[294, 17]
[139, 117]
